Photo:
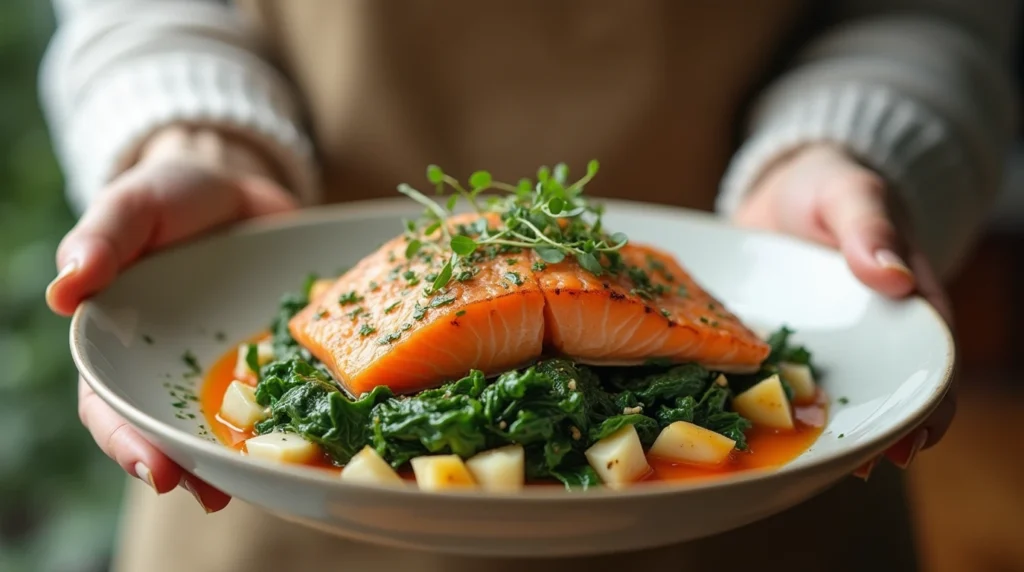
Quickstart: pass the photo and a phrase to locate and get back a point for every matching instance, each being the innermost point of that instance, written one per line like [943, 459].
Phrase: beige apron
[653, 89]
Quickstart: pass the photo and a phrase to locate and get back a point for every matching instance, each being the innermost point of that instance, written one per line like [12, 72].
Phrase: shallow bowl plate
[891, 361]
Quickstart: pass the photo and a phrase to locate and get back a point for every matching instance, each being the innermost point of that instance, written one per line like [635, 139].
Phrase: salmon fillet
[376, 325]
[613, 320]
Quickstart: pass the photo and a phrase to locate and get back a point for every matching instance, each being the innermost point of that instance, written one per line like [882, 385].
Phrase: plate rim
[300, 474]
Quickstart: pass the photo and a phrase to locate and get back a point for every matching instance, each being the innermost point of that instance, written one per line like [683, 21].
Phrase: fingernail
[892, 261]
[920, 438]
[195, 494]
[145, 475]
[864, 471]
[68, 269]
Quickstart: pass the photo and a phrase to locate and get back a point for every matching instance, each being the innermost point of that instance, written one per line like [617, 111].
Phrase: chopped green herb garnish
[147, 338]
[374, 286]
[366, 330]
[512, 260]
[666, 313]
[539, 266]
[682, 291]
[460, 313]
[350, 298]
[443, 300]
[356, 313]
[841, 435]
[190, 360]
[419, 312]
[392, 306]
[406, 327]
[844, 400]
[388, 338]
[514, 278]
[659, 267]
[703, 320]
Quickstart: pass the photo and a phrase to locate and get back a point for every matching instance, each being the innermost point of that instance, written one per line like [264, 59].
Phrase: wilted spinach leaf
[646, 427]
[303, 401]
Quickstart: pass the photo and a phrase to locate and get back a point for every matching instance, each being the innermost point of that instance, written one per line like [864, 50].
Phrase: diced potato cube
[441, 472]
[282, 447]
[264, 355]
[765, 404]
[800, 378]
[499, 470]
[239, 406]
[686, 442]
[368, 467]
[619, 458]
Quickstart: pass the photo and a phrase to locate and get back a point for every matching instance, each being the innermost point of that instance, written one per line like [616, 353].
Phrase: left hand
[822, 194]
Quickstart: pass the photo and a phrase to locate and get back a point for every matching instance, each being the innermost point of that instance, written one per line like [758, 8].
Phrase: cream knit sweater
[921, 93]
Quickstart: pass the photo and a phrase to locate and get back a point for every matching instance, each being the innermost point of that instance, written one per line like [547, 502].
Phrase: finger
[853, 208]
[108, 235]
[930, 287]
[262, 196]
[211, 499]
[863, 472]
[123, 444]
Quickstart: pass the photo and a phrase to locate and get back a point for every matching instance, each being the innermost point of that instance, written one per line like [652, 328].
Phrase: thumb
[854, 209]
[261, 196]
[148, 208]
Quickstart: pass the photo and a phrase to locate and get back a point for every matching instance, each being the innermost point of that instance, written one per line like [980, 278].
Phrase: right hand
[185, 183]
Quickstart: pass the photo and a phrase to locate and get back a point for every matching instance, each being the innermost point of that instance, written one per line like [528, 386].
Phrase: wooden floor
[968, 492]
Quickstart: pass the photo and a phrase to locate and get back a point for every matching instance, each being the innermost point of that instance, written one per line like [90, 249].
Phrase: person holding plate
[877, 128]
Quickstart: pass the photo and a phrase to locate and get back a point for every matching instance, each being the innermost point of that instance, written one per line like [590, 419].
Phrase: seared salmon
[379, 324]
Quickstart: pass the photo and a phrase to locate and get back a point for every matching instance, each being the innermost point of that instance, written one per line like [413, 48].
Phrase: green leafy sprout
[549, 216]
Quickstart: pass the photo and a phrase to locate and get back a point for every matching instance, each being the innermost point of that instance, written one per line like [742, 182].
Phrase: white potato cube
[282, 447]
[619, 458]
[367, 467]
[264, 355]
[800, 378]
[499, 470]
[686, 442]
[765, 404]
[239, 406]
[441, 472]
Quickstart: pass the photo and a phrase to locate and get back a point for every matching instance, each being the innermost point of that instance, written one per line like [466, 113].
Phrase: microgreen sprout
[549, 216]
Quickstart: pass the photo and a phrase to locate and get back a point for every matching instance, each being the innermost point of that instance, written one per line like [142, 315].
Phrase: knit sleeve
[117, 70]
[919, 90]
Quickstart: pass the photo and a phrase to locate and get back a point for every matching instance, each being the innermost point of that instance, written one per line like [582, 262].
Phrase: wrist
[211, 147]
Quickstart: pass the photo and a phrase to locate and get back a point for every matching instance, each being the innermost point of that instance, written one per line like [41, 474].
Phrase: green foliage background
[58, 495]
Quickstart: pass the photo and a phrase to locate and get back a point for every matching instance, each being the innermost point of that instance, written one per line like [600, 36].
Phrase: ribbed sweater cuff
[890, 133]
[120, 112]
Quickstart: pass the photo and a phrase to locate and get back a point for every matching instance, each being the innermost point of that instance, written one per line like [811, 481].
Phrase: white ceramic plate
[891, 360]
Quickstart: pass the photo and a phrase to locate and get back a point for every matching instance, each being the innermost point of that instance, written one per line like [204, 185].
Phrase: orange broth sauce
[767, 448]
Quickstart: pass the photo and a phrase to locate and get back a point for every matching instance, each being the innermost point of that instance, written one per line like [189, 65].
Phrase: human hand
[185, 183]
[820, 193]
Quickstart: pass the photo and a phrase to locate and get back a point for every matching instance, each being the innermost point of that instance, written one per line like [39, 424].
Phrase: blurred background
[59, 497]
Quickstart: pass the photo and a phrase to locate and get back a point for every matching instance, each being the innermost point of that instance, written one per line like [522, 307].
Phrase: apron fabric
[853, 527]
[653, 89]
